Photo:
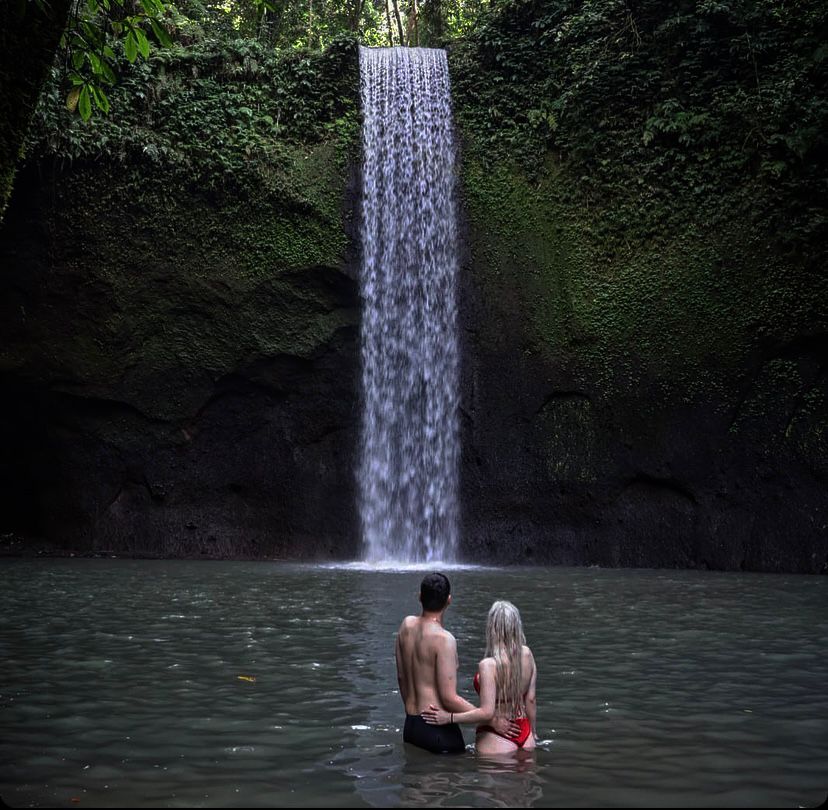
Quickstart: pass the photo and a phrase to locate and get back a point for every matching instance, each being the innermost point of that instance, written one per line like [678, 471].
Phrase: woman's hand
[435, 716]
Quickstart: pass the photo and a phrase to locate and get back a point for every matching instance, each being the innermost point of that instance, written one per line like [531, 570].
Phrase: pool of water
[234, 684]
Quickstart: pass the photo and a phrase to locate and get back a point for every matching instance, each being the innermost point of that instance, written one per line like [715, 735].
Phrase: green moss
[232, 121]
[651, 134]
[684, 311]
[175, 287]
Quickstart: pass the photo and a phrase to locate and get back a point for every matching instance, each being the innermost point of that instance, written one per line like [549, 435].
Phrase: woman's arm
[488, 689]
[529, 699]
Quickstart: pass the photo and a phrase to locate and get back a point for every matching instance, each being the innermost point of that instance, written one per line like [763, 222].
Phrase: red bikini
[523, 722]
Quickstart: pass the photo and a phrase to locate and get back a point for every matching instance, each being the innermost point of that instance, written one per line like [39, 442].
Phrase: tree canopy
[99, 31]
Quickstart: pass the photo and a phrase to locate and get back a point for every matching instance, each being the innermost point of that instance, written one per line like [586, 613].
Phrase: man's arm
[447, 676]
[401, 681]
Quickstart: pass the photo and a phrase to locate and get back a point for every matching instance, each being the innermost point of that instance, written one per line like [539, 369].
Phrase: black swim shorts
[437, 739]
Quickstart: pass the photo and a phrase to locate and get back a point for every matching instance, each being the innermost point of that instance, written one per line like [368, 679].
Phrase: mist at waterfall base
[409, 452]
[180, 683]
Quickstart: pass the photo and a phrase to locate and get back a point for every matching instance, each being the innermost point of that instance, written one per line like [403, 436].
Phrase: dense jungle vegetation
[717, 105]
[664, 108]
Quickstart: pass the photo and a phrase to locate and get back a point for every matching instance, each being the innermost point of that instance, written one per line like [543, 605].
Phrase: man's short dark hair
[434, 591]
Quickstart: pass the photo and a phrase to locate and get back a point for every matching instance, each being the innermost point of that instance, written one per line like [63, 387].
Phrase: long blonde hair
[504, 643]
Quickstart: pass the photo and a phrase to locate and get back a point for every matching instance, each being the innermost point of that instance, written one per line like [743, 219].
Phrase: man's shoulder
[445, 637]
[408, 622]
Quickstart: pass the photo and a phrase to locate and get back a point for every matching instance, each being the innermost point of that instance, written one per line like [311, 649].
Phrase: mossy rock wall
[661, 404]
[179, 367]
[179, 311]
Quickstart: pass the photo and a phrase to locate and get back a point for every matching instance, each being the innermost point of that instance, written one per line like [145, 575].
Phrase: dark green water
[120, 686]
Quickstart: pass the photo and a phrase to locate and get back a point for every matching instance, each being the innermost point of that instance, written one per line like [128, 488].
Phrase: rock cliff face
[179, 374]
[665, 406]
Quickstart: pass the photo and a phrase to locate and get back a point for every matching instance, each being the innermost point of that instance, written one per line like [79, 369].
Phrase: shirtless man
[427, 671]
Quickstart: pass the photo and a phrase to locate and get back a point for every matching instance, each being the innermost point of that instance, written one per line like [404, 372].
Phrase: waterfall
[409, 452]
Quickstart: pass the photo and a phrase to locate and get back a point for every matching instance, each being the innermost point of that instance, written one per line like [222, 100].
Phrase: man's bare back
[427, 666]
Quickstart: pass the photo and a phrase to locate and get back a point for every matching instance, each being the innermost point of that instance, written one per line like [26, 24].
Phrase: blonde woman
[506, 680]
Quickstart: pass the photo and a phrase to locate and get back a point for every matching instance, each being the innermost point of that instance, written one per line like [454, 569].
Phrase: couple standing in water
[427, 673]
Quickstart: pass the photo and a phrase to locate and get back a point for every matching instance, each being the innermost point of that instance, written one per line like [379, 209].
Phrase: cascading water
[410, 444]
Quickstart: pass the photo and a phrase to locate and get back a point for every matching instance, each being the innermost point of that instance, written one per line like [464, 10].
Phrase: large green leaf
[161, 33]
[85, 103]
[101, 100]
[131, 46]
[143, 42]
[108, 73]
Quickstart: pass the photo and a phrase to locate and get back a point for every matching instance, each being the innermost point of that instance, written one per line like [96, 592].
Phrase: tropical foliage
[659, 108]
[694, 105]
[99, 31]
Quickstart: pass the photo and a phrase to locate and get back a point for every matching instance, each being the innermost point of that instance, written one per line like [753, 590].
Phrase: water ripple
[679, 688]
